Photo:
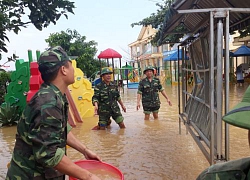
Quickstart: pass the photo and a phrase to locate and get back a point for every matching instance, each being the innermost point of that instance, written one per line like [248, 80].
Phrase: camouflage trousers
[105, 114]
[148, 110]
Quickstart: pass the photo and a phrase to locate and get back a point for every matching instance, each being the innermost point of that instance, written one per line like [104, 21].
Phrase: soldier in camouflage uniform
[105, 99]
[43, 131]
[236, 169]
[148, 91]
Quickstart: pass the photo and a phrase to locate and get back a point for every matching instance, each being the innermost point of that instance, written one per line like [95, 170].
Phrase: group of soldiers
[106, 96]
[43, 131]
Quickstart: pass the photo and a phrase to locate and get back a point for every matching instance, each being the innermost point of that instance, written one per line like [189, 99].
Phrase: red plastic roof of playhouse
[109, 53]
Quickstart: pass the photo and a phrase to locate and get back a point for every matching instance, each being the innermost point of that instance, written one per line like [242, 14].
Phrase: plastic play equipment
[82, 93]
[130, 74]
[104, 170]
[126, 72]
[133, 85]
[96, 81]
[35, 83]
[110, 54]
[35, 77]
[26, 81]
[19, 85]
[95, 78]
[133, 76]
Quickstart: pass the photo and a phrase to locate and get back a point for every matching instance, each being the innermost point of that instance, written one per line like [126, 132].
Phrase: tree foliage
[158, 19]
[40, 13]
[76, 45]
[245, 32]
[4, 78]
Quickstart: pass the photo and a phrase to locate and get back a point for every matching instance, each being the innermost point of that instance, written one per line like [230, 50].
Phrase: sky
[106, 22]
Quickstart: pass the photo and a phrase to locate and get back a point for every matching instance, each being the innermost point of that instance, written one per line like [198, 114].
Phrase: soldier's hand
[124, 108]
[90, 155]
[94, 177]
[138, 107]
[169, 102]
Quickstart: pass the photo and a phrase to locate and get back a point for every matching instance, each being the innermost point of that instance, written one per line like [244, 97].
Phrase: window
[155, 49]
[148, 48]
[165, 47]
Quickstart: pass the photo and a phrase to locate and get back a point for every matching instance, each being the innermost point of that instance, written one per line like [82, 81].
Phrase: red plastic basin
[93, 165]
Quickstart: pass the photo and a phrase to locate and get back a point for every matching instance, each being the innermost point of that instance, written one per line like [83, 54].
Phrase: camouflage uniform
[231, 170]
[237, 169]
[107, 96]
[150, 96]
[41, 135]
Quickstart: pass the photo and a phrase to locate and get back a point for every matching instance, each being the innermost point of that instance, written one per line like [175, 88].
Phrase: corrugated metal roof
[196, 21]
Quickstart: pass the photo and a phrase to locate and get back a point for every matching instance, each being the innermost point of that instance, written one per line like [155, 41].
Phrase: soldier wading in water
[106, 96]
[148, 91]
[43, 131]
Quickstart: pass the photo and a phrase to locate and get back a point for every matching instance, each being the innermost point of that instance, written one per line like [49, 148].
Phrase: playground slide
[82, 93]
[26, 81]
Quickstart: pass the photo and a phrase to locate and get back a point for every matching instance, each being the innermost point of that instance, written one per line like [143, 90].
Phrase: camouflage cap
[53, 56]
[148, 68]
[239, 115]
[106, 70]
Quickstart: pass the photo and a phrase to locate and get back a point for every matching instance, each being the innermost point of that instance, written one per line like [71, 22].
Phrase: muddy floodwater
[145, 150]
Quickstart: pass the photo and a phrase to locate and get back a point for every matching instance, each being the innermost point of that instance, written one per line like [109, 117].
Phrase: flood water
[145, 150]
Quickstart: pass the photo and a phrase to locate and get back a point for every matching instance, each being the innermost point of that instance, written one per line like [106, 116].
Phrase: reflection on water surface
[148, 150]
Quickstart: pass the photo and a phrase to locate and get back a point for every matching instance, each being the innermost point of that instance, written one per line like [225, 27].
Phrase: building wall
[143, 53]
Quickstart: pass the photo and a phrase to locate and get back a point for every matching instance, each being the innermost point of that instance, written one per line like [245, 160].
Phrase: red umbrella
[109, 53]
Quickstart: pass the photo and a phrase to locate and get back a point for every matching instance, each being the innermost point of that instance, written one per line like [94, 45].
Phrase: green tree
[76, 45]
[156, 19]
[4, 78]
[159, 19]
[245, 32]
[40, 13]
